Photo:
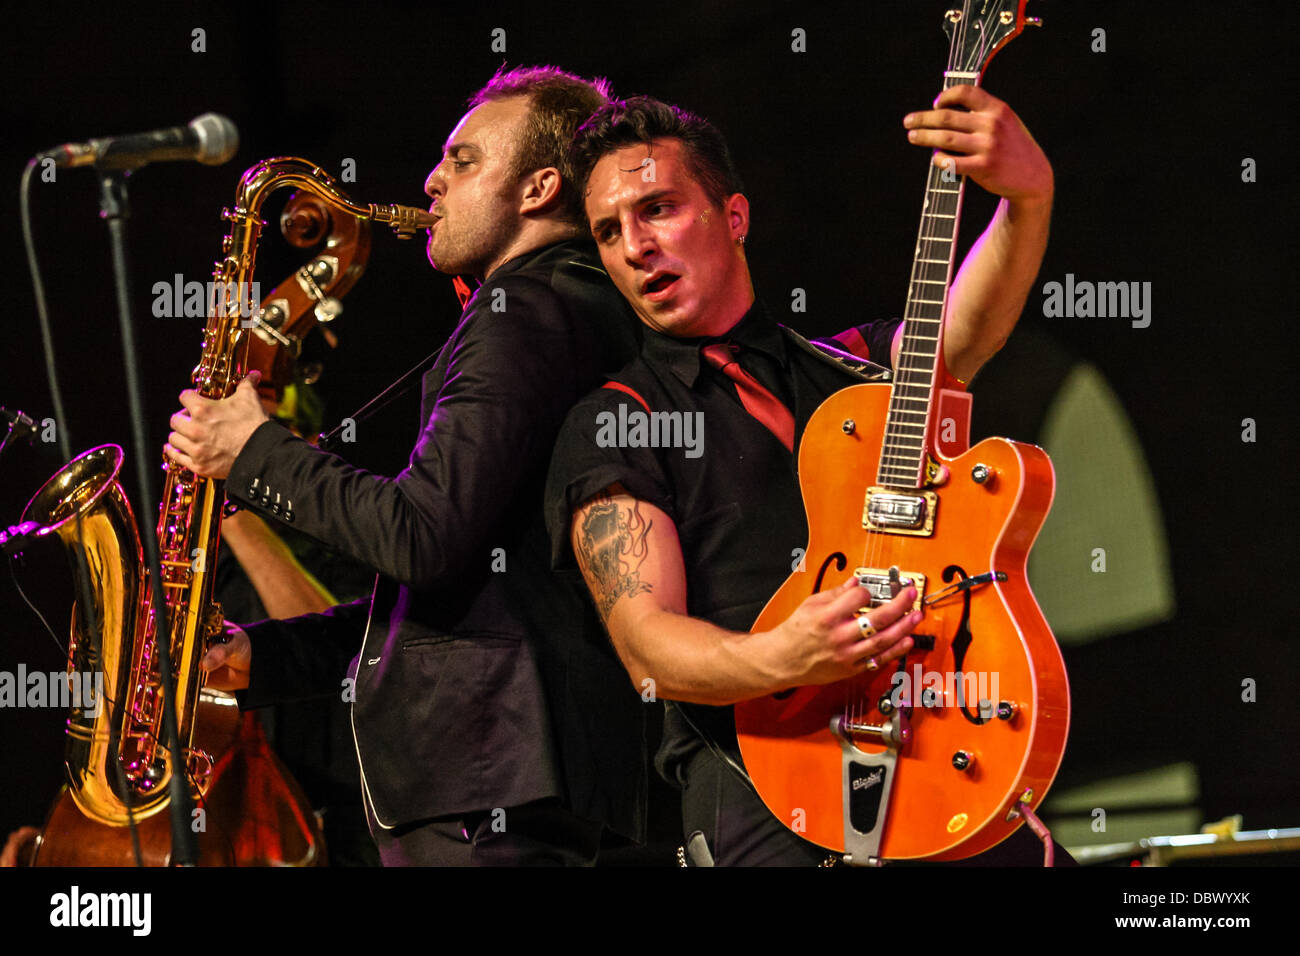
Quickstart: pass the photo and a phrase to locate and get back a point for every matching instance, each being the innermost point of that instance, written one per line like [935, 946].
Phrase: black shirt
[734, 495]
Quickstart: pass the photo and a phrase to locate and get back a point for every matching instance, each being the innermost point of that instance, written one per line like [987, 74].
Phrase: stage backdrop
[1165, 564]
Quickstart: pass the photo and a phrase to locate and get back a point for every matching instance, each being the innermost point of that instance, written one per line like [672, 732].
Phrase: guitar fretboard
[902, 454]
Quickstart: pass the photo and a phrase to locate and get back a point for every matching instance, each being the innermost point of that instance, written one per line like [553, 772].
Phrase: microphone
[20, 426]
[211, 139]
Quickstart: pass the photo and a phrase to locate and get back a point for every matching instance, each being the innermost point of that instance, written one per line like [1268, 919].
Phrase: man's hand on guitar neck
[979, 136]
[631, 559]
[987, 142]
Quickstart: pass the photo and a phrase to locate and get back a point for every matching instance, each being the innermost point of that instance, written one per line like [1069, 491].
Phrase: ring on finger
[873, 664]
[865, 625]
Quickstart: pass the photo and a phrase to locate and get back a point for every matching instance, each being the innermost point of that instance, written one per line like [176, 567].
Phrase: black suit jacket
[484, 679]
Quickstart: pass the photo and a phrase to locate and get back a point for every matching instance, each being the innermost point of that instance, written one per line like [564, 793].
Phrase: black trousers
[741, 831]
[541, 833]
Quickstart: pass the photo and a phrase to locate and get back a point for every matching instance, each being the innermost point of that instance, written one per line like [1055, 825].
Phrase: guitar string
[857, 689]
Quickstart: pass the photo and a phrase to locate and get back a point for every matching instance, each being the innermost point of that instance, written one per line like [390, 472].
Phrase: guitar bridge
[879, 584]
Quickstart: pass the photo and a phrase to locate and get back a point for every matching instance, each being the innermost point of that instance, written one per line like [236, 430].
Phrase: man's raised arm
[987, 142]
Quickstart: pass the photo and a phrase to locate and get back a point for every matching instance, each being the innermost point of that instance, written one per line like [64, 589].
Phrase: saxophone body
[86, 506]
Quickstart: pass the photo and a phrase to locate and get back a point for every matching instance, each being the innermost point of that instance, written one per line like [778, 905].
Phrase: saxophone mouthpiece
[405, 220]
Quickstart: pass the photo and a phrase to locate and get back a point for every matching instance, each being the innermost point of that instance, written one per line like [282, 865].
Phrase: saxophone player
[493, 723]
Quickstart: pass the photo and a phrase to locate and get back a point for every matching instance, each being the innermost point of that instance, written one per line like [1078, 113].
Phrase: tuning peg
[1033, 21]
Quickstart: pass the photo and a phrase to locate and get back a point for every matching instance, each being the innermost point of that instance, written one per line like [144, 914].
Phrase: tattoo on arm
[611, 547]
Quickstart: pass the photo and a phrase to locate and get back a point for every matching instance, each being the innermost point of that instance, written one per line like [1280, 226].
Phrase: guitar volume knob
[963, 760]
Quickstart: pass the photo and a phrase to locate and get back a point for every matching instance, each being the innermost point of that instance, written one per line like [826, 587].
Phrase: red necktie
[758, 401]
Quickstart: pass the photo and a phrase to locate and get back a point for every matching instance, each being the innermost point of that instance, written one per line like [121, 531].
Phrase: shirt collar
[583, 248]
[566, 246]
[756, 331]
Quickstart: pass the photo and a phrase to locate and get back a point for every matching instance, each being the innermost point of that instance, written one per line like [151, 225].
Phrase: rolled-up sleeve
[870, 341]
[586, 462]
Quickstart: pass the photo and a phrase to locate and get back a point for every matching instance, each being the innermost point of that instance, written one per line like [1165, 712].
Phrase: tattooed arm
[631, 558]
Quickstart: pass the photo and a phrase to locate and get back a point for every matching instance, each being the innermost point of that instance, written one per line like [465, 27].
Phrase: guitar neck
[903, 452]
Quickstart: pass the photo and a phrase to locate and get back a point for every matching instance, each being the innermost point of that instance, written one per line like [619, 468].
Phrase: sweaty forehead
[632, 171]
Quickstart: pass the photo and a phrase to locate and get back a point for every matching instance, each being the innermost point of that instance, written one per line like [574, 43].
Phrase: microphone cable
[90, 619]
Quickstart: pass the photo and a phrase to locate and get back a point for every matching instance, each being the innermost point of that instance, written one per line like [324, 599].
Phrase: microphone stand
[114, 209]
[18, 420]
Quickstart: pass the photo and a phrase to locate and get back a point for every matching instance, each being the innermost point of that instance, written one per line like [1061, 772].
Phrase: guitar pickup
[900, 512]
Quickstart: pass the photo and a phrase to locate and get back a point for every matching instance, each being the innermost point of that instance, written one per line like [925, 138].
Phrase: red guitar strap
[627, 389]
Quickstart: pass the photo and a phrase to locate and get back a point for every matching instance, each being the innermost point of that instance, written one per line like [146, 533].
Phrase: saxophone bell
[107, 564]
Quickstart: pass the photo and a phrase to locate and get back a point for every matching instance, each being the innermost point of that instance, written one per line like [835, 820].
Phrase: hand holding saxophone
[208, 435]
[227, 665]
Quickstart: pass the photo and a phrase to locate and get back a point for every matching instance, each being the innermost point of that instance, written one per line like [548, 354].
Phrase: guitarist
[681, 547]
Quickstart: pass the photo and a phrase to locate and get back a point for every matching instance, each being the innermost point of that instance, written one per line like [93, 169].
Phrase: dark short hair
[559, 103]
[642, 119]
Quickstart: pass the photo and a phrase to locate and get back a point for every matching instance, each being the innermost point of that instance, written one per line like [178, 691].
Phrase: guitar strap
[392, 393]
[695, 851]
[823, 351]
[714, 746]
[403, 384]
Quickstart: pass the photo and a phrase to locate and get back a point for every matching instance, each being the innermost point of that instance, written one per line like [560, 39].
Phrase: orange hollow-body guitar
[931, 808]
[930, 756]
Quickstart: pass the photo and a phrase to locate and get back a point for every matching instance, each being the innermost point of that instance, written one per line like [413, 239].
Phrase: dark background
[1146, 139]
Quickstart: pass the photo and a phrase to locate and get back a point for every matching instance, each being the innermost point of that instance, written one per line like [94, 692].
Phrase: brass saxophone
[124, 723]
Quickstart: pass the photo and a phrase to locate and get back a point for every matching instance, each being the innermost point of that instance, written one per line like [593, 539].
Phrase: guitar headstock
[980, 28]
